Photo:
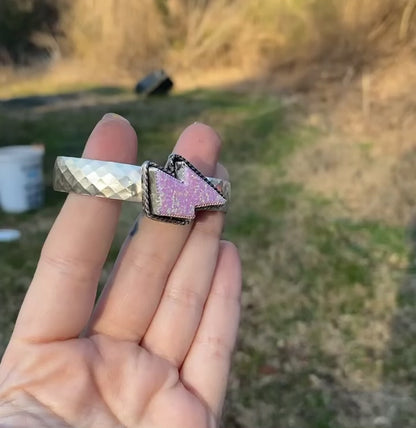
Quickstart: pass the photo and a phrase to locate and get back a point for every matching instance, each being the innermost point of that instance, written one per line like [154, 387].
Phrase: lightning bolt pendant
[176, 192]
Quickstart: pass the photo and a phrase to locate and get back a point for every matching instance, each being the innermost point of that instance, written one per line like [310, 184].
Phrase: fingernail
[114, 116]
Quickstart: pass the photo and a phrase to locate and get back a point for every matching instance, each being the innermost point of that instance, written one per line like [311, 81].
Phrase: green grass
[328, 327]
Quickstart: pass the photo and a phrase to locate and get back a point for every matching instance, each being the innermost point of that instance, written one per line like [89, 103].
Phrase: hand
[155, 351]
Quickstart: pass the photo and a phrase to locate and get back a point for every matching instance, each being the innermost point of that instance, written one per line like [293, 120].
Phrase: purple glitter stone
[180, 198]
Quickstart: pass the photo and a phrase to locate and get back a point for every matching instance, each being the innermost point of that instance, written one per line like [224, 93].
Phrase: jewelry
[172, 193]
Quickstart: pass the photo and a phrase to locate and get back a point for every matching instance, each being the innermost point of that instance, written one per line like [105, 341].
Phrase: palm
[154, 353]
[125, 385]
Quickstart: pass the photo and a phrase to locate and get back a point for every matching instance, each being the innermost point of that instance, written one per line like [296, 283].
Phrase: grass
[328, 326]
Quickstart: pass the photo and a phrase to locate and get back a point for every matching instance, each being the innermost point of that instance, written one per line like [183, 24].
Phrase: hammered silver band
[114, 180]
[98, 178]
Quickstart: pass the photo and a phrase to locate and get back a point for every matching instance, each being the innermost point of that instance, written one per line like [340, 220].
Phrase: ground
[329, 300]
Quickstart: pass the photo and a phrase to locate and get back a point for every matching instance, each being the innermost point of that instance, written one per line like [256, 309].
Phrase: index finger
[59, 301]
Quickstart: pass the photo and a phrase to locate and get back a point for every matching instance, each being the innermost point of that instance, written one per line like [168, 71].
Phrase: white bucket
[21, 178]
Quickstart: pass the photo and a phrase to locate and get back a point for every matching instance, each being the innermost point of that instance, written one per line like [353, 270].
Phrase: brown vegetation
[189, 34]
[124, 35]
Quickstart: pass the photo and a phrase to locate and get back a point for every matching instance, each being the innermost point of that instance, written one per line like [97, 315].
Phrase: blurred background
[315, 101]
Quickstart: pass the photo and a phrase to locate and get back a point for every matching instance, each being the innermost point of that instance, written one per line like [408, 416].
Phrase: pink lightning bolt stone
[180, 197]
[177, 191]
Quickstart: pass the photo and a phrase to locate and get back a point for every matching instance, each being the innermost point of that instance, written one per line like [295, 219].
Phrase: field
[329, 300]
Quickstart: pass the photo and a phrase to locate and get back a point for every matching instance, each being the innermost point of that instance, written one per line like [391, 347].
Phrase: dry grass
[367, 159]
[205, 43]
[112, 34]
[200, 34]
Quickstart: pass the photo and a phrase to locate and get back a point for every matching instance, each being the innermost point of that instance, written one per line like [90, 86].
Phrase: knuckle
[78, 269]
[149, 265]
[215, 346]
[185, 297]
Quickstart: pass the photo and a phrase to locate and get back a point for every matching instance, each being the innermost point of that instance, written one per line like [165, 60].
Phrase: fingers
[61, 296]
[130, 300]
[176, 320]
[206, 367]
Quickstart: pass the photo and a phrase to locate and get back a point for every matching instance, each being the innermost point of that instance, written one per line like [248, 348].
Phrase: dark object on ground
[155, 83]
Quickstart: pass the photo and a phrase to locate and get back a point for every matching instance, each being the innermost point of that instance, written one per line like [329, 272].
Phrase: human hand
[155, 351]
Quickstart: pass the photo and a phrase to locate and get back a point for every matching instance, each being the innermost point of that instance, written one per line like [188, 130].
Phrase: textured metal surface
[98, 178]
[111, 180]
